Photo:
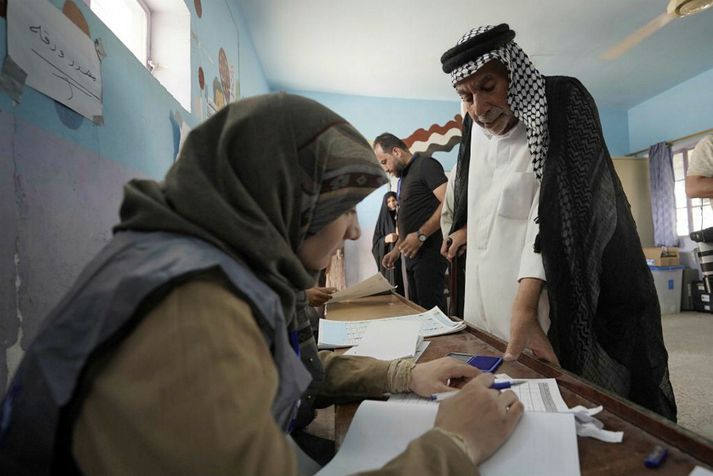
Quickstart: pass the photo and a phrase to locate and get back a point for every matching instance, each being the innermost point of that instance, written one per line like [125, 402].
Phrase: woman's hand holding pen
[484, 417]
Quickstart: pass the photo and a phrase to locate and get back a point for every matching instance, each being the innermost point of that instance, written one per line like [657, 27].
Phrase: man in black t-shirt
[422, 190]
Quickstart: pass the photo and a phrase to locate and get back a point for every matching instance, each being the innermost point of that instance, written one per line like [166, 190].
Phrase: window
[129, 20]
[691, 213]
[158, 33]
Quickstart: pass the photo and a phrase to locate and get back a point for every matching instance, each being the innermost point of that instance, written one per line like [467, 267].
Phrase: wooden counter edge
[687, 441]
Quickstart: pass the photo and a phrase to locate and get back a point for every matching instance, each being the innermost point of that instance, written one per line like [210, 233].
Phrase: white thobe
[503, 195]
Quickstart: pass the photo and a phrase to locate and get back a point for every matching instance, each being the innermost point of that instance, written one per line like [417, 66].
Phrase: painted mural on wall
[438, 138]
[216, 73]
[224, 87]
[211, 95]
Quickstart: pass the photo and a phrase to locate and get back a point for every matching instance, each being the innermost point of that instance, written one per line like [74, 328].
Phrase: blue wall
[61, 176]
[682, 110]
[373, 115]
[615, 124]
[252, 79]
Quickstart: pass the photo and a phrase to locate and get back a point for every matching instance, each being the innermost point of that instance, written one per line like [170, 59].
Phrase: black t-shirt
[416, 201]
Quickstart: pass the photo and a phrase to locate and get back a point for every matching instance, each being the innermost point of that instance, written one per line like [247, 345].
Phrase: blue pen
[500, 385]
[656, 457]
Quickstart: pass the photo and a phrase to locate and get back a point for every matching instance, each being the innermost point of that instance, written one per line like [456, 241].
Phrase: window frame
[685, 150]
[147, 30]
[149, 61]
[166, 62]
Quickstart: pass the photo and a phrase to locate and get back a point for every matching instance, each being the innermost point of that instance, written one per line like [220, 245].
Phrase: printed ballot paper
[334, 334]
[536, 395]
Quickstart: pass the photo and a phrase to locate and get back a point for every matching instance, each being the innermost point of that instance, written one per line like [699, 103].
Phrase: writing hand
[484, 417]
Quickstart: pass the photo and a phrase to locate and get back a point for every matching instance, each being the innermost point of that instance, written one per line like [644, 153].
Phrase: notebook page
[543, 444]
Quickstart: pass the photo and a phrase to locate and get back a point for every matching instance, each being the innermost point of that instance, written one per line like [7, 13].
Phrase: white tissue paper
[590, 427]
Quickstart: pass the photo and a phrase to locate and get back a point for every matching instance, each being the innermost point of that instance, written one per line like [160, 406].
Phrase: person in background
[422, 185]
[177, 350]
[699, 184]
[384, 239]
[545, 206]
[699, 178]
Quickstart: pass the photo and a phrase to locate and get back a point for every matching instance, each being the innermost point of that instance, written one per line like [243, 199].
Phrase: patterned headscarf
[255, 180]
[526, 93]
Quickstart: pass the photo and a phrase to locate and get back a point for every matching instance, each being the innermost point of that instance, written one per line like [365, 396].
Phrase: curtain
[663, 204]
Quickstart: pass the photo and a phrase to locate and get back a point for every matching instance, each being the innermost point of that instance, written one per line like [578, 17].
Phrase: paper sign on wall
[60, 59]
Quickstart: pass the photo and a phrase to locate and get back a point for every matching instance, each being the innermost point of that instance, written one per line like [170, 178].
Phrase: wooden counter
[642, 429]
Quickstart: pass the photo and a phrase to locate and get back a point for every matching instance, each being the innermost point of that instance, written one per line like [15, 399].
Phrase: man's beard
[498, 121]
[398, 170]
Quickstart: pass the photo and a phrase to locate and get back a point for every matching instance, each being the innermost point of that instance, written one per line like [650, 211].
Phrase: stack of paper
[376, 284]
[542, 443]
[334, 334]
[389, 340]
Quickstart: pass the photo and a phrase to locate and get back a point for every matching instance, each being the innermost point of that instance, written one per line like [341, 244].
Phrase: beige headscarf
[255, 180]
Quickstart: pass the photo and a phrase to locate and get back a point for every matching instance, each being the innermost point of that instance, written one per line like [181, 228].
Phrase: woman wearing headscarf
[385, 235]
[177, 351]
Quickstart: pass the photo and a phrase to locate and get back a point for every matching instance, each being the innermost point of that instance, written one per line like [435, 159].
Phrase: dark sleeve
[378, 242]
[378, 250]
[432, 173]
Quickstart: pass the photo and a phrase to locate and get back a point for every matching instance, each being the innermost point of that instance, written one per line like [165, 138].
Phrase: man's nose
[480, 108]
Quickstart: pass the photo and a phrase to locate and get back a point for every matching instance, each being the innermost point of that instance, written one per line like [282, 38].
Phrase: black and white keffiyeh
[526, 93]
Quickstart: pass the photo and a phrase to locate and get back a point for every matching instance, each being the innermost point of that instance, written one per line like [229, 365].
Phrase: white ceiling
[392, 48]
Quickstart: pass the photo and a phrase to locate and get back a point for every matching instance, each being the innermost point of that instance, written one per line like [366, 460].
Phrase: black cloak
[385, 224]
[606, 321]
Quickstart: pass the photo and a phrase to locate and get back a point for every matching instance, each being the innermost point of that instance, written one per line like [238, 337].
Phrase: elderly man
[554, 261]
